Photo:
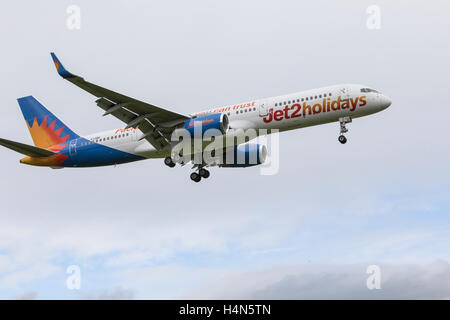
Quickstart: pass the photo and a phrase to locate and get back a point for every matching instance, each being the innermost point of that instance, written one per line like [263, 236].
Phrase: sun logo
[56, 65]
[46, 136]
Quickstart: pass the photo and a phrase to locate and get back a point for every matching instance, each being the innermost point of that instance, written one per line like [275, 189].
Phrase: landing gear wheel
[195, 177]
[342, 139]
[169, 162]
[342, 122]
[203, 173]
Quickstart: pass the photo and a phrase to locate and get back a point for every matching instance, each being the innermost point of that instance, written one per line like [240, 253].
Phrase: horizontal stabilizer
[26, 149]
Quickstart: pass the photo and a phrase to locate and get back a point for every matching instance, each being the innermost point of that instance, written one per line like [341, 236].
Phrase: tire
[195, 177]
[342, 139]
[204, 173]
[168, 162]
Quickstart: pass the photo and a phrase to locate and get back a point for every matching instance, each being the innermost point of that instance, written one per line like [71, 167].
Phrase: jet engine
[245, 155]
[216, 123]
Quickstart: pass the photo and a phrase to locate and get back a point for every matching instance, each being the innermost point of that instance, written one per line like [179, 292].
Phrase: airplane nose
[385, 101]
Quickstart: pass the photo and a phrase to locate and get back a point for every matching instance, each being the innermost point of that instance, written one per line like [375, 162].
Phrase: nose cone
[385, 102]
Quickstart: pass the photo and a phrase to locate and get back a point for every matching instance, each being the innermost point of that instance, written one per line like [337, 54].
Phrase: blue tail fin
[45, 128]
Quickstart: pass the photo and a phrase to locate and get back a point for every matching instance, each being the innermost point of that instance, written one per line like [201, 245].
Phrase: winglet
[60, 68]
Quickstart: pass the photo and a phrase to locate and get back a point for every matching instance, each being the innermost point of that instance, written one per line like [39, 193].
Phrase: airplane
[149, 129]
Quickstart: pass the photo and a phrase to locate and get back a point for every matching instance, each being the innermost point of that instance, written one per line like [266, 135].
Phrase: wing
[155, 123]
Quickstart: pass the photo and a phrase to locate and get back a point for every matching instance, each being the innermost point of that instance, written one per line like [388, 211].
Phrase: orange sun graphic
[47, 137]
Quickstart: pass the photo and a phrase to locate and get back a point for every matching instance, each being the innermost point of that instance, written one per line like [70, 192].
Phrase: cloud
[29, 295]
[402, 281]
[117, 293]
[26, 272]
[383, 196]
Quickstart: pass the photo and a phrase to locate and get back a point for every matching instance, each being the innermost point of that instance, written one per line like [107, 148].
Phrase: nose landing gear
[343, 121]
[342, 139]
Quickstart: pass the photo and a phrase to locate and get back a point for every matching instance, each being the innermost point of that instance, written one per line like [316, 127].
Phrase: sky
[145, 231]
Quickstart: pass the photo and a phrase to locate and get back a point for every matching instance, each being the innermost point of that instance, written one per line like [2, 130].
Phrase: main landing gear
[343, 121]
[197, 176]
[169, 162]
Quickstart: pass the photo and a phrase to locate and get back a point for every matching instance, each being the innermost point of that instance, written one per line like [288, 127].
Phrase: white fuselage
[286, 112]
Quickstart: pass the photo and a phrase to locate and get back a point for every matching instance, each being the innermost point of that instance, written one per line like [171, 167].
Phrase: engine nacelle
[245, 155]
[214, 122]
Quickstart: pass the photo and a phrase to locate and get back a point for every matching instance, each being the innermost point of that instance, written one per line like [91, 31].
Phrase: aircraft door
[73, 147]
[263, 109]
[345, 93]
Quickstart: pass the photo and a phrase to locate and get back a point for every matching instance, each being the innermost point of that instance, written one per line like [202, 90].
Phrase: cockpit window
[369, 90]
